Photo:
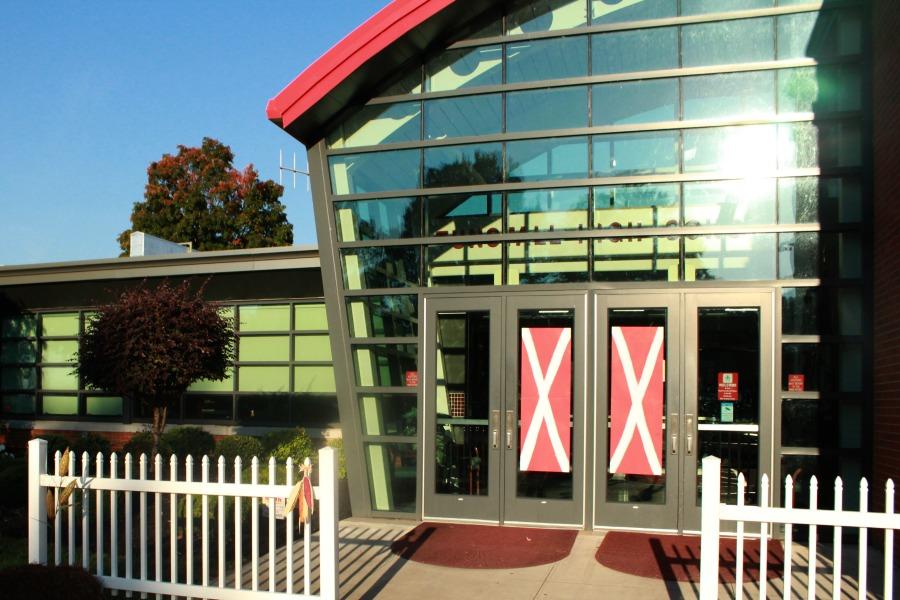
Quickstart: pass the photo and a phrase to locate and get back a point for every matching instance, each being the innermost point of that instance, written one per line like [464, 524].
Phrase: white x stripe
[636, 420]
[543, 412]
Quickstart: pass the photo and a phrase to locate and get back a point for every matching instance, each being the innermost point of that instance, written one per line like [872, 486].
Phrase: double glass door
[679, 377]
[504, 409]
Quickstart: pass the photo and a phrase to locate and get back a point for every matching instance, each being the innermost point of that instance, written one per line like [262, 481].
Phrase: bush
[189, 440]
[14, 480]
[245, 446]
[92, 444]
[142, 443]
[295, 444]
[338, 445]
[55, 443]
[26, 582]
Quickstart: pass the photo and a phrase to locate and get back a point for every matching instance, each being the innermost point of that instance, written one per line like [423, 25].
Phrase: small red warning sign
[412, 378]
[728, 387]
[796, 382]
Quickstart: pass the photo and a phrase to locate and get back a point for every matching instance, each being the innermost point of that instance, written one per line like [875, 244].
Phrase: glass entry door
[679, 377]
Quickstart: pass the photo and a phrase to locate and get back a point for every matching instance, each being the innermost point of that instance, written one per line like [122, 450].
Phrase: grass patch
[13, 551]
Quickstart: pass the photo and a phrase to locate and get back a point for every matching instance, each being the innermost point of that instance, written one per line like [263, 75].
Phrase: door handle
[673, 427]
[510, 423]
[689, 433]
[495, 429]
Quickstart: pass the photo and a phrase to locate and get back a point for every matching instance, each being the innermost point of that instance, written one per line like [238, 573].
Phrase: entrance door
[504, 409]
[679, 376]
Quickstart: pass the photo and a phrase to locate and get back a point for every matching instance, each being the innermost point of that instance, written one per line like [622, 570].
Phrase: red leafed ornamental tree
[152, 343]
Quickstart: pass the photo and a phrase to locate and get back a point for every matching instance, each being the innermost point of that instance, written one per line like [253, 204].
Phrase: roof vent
[144, 244]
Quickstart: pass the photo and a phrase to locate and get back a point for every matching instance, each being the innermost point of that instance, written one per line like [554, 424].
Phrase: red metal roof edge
[344, 58]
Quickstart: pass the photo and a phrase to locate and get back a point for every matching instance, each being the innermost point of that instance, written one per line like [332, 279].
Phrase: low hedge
[28, 582]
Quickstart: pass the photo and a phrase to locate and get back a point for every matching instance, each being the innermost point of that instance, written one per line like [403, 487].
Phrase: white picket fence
[714, 513]
[117, 567]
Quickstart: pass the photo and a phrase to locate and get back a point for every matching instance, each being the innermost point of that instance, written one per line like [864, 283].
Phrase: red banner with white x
[546, 399]
[636, 400]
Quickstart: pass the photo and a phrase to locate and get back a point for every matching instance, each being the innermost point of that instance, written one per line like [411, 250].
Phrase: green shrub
[14, 480]
[142, 443]
[295, 444]
[26, 582]
[91, 443]
[245, 446]
[338, 445]
[189, 440]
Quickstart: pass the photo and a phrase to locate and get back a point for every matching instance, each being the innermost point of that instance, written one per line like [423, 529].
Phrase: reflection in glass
[17, 378]
[472, 164]
[801, 363]
[553, 108]
[553, 158]
[207, 407]
[464, 264]
[798, 200]
[616, 11]
[800, 311]
[548, 210]
[629, 102]
[819, 34]
[388, 414]
[409, 83]
[392, 476]
[18, 351]
[800, 421]
[467, 67]
[464, 214]
[554, 58]
[103, 406]
[729, 257]
[736, 202]
[823, 89]
[547, 261]
[465, 115]
[385, 365]
[826, 144]
[732, 95]
[378, 124]
[383, 316]
[547, 15]
[390, 218]
[637, 259]
[384, 267]
[637, 50]
[629, 206]
[635, 154]
[375, 171]
[798, 255]
[18, 326]
[748, 150]
[17, 404]
[725, 42]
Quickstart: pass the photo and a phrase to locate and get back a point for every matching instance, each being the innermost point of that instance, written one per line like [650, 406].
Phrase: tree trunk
[159, 424]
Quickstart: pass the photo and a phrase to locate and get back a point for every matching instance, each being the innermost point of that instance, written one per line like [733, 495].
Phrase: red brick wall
[886, 125]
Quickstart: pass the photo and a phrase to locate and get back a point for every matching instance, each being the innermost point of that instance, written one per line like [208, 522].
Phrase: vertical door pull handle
[510, 424]
[674, 443]
[495, 429]
[673, 427]
[689, 432]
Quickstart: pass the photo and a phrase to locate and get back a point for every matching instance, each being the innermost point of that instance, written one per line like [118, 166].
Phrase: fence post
[37, 510]
[328, 524]
[709, 528]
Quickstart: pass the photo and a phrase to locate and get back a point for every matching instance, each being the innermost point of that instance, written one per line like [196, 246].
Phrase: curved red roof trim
[381, 30]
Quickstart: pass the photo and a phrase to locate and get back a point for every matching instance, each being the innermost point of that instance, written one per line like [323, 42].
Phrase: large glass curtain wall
[576, 142]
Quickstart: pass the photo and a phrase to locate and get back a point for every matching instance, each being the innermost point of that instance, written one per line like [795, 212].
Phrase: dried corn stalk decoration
[303, 494]
[53, 506]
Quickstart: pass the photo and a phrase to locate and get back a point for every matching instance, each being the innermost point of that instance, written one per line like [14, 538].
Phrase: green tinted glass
[553, 58]
[17, 378]
[647, 101]
[59, 324]
[380, 316]
[390, 218]
[388, 414]
[462, 116]
[17, 404]
[266, 348]
[733, 95]
[375, 171]
[263, 379]
[383, 267]
[389, 365]
[18, 326]
[314, 379]
[59, 351]
[58, 378]
[471, 164]
[638, 50]
[211, 385]
[635, 154]
[265, 318]
[378, 124]
[103, 406]
[60, 405]
[310, 317]
[312, 348]
[18, 351]
[392, 476]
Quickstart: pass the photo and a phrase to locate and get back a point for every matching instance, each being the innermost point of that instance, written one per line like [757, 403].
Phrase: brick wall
[886, 126]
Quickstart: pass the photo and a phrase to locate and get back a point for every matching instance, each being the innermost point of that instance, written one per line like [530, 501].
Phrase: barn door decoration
[546, 399]
[636, 400]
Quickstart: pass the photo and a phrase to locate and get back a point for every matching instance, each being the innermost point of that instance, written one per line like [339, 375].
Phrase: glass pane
[315, 411]
[729, 257]
[850, 368]
[388, 414]
[209, 408]
[312, 348]
[275, 317]
[617, 11]
[263, 379]
[314, 379]
[59, 324]
[819, 35]
[386, 365]
[547, 15]
[464, 264]
[392, 476]
[462, 403]
[823, 89]
[267, 348]
[550, 261]
[378, 124]
[637, 340]
[474, 164]
[383, 316]
[464, 214]
[59, 351]
[724, 42]
[375, 171]
[800, 423]
[554, 58]
[17, 404]
[798, 255]
[310, 317]
[60, 405]
[554, 108]
[735, 95]
[699, 7]
[17, 378]
[464, 68]
[800, 308]
[738, 202]
[18, 351]
[628, 206]
[103, 406]
[828, 144]
[19, 326]
[800, 367]
[798, 200]
[637, 259]
[638, 50]
[635, 154]
[386, 267]
[740, 150]
[798, 90]
[554, 158]
[211, 385]
[410, 83]
[465, 115]
[548, 210]
[377, 219]
[631, 102]
[263, 409]
[850, 311]
[545, 353]
[829, 200]
[58, 378]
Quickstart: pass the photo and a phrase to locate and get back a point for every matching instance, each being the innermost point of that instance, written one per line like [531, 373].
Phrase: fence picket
[58, 516]
[99, 469]
[307, 542]
[72, 513]
[788, 537]
[157, 522]
[836, 571]
[811, 567]
[128, 522]
[189, 523]
[142, 475]
[254, 527]
[85, 513]
[763, 538]
[113, 519]
[739, 550]
[173, 523]
[889, 542]
[221, 524]
[863, 538]
[204, 514]
[289, 529]
[238, 529]
[272, 527]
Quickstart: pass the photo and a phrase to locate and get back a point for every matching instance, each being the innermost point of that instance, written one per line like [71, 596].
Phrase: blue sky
[92, 92]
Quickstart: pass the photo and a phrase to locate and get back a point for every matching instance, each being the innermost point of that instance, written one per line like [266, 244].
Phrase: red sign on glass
[728, 387]
[412, 378]
[796, 382]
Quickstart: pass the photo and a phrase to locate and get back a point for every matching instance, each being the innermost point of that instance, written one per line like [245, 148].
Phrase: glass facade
[732, 141]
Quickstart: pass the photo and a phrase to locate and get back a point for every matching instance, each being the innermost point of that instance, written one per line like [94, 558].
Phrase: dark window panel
[798, 255]
[385, 365]
[472, 164]
[547, 15]
[388, 414]
[377, 219]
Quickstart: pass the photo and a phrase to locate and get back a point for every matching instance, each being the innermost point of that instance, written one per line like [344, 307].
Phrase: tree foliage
[152, 343]
[198, 196]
